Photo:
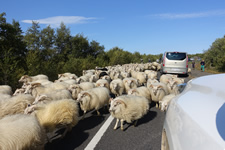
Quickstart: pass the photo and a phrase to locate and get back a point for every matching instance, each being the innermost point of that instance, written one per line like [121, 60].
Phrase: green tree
[32, 37]
[13, 52]
[80, 46]
[216, 54]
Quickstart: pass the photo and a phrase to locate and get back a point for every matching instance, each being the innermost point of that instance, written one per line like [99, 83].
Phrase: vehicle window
[175, 56]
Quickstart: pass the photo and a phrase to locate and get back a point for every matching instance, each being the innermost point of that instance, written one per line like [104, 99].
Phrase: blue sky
[145, 26]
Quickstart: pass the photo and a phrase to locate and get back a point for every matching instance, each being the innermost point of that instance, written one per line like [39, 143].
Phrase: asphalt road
[145, 136]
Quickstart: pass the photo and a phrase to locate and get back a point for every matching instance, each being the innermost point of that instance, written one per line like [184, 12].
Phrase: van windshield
[175, 56]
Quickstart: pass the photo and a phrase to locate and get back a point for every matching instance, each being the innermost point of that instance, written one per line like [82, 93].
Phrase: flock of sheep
[41, 106]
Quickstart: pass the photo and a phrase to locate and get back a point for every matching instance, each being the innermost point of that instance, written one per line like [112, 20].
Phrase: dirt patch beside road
[196, 73]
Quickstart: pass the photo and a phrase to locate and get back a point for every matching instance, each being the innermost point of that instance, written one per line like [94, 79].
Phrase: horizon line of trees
[52, 51]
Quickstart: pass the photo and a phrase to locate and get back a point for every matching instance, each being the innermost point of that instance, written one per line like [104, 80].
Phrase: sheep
[128, 108]
[84, 78]
[166, 77]
[152, 75]
[4, 97]
[19, 91]
[141, 91]
[56, 95]
[141, 78]
[26, 78]
[15, 104]
[151, 81]
[67, 75]
[93, 78]
[5, 89]
[21, 132]
[102, 83]
[157, 92]
[163, 104]
[56, 114]
[95, 98]
[36, 89]
[117, 87]
[172, 86]
[129, 83]
[75, 89]
[107, 77]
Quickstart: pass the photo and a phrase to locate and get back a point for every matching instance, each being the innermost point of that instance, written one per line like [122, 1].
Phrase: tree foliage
[215, 55]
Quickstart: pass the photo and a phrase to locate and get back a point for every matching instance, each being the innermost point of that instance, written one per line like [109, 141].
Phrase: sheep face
[29, 109]
[171, 84]
[40, 98]
[156, 88]
[84, 98]
[115, 106]
[19, 91]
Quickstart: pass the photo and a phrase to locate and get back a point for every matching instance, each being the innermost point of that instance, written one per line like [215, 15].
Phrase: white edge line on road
[99, 134]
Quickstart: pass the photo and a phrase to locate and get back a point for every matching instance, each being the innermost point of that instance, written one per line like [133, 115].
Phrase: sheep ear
[111, 99]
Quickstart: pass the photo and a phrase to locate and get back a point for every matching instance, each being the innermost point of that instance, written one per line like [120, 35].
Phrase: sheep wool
[21, 132]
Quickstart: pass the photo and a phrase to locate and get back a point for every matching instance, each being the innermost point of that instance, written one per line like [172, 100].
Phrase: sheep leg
[64, 133]
[135, 123]
[98, 113]
[156, 105]
[83, 115]
[121, 124]
[117, 121]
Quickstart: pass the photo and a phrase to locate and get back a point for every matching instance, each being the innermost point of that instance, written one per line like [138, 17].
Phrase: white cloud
[189, 15]
[56, 21]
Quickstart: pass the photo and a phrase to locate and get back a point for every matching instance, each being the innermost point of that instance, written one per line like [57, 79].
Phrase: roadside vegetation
[52, 51]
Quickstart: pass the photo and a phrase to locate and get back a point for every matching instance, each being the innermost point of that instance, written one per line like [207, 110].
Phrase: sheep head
[29, 109]
[115, 105]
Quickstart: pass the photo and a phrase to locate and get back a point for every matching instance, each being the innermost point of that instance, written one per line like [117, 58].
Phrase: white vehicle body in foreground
[195, 119]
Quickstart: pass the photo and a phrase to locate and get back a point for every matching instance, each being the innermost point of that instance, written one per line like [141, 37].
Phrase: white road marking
[99, 134]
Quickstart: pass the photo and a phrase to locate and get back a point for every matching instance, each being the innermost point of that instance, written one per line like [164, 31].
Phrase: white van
[175, 62]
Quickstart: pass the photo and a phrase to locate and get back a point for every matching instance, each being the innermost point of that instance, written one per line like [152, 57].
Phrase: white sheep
[67, 75]
[95, 98]
[5, 89]
[19, 91]
[15, 104]
[130, 83]
[141, 91]
[84, 78]
[102, 83]
[36, 89]
[4, 97]
[166, 77]
[26, 78]
[75, 89]
[56, 114]
[55, 95]
[21, 132]
[157, 92]
[117, 87]
[151, 81]
[163, 104]
[152, 75]
[172, 86]
[128, 108]
[93, 78]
